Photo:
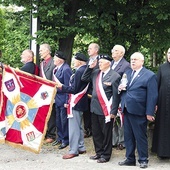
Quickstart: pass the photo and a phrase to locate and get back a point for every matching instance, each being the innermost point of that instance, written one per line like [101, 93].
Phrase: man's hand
[58, 83]
[121, 87]
[150, 118]
[93, 64]
[112, 116]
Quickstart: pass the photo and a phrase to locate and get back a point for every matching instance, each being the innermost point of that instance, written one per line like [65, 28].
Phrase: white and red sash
[54, 78]
[104, 102]
[74, 99]
[42, 71]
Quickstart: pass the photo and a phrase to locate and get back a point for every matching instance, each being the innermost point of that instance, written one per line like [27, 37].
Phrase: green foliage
[16, 37]
[141, 25]
[2, 26]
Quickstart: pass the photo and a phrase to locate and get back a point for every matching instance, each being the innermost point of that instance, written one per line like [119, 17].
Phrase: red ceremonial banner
[26, 104]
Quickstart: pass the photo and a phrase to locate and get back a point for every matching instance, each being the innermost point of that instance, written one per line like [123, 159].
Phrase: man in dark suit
[93, 52]
[77, 104]
[120, 65]
[46, 71]
[138, 101]
[27, 58]
[62, 72]
[104, 105]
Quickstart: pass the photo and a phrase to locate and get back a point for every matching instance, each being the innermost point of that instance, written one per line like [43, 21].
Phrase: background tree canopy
[70, 25]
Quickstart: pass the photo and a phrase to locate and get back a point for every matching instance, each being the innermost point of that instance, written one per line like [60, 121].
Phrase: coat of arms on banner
[26, 103]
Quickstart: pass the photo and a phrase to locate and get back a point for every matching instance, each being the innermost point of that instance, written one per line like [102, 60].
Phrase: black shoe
[120, 147]
[87, 133]
[56, 142]
[127, 163]
[143, 165]
[95, 157]
[62, 146]
[102, 160]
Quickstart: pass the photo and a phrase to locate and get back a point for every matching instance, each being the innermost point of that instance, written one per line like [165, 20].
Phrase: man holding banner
[77, 104]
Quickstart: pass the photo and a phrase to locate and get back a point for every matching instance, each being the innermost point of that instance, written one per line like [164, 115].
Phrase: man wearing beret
[62, 72]
[104, 105]
[77, 104]
[46, 71]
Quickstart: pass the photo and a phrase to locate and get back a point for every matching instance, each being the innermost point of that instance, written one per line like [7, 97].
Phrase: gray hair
[46, 46]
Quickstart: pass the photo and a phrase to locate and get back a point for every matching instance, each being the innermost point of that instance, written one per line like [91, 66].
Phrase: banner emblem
[10, 85]
[44, 95]
[30, 136]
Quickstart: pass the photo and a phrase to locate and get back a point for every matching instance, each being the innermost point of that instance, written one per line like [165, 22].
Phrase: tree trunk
[66, 45]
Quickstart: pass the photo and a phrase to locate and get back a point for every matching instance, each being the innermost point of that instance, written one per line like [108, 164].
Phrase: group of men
[95, 89]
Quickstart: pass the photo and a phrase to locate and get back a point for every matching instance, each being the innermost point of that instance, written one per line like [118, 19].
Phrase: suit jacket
[48, 69]
[141, 95]
[76, 86]
[28, 67]
[63, 75]
[122, 66]
[110, 90]
[90, 88]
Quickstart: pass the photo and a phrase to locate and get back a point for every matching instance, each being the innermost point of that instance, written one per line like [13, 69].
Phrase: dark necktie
[102, 75]
[132, 76]
[55, 71]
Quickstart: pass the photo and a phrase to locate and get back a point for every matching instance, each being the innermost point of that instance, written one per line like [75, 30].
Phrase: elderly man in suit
[63, 73]
[120, 65]
[138, 102]
[104, 105]
[27, 58]
[46, 71]
[77, 104]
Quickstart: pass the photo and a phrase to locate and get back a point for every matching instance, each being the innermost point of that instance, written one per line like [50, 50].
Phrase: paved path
[50, 158]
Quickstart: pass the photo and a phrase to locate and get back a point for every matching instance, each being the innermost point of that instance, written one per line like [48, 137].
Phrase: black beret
[81, 57]
[105, 56]
[60, 54]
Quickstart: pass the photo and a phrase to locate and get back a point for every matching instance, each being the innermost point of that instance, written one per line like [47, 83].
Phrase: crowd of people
[95, 93]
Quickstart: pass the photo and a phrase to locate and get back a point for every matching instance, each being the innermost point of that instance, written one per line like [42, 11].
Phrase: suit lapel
[107, 76]
[60, 70]
[119, 65]
[138, 76]
[47, 67]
